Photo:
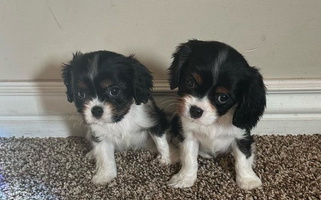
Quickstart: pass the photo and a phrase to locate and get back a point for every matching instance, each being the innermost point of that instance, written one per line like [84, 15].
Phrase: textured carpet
[56, 168]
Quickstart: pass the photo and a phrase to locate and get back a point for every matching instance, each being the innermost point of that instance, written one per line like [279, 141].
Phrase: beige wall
[283, 38]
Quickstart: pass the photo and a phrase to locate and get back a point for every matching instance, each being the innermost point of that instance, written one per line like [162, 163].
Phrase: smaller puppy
[221, 99]
[113, 94]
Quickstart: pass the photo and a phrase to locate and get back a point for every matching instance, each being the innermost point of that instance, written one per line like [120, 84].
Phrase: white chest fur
[214, 138]
[130, 132]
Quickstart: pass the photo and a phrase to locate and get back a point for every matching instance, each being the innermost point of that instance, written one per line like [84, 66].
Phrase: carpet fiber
[56, 168]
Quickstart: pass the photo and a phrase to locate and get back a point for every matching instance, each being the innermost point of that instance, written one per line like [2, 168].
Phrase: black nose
[97, 111]
[195, 112]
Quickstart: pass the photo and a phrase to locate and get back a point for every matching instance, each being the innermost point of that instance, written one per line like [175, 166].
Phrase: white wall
[283, 38]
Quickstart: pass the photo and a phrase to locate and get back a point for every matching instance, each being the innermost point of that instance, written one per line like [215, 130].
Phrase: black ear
[252, 104]
[66, 76]
[180, 57]
[142, 82]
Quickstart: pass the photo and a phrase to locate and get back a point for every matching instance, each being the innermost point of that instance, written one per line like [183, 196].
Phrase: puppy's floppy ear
[66, 75]
[142, 81]
[180, 57]
[252, 104]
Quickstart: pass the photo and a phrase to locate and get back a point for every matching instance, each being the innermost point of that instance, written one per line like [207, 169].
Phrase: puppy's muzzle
[195, 112]
[97, 112]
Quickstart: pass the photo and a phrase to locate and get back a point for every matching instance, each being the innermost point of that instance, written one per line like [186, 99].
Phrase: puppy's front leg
[245, 176]
[186, 177]
[104, 153]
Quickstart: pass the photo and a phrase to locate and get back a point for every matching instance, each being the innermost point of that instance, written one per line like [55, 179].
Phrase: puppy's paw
[90, 155]
[182, 181]
[164, 160]
[103, 178]
[205, 155]
[248, 182]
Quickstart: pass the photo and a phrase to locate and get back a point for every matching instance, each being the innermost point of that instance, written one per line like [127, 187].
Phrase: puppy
[221, 100]
[113, 94]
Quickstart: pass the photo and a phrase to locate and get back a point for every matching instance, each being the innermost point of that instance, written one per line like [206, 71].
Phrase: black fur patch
[176, 129]
[160, 117]
[245, 145]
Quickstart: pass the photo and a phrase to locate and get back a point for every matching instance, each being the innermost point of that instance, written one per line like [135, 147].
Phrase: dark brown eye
[114, 91]
[223, 98]
[81, 95]
[190, 83]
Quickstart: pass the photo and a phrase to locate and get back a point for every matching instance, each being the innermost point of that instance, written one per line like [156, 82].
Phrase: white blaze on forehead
[93, 66]
[209, 115]
[221, 58]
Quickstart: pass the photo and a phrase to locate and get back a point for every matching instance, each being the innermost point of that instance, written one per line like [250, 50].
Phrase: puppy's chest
[215, 138]
[122, 135]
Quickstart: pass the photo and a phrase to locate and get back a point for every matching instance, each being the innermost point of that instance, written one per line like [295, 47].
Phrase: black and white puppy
[113, 94]
[221, 99]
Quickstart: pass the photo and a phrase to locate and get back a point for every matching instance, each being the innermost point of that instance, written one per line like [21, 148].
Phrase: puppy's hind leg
[163, 148]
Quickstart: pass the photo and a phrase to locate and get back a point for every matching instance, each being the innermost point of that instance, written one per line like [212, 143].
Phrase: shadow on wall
[53, 101]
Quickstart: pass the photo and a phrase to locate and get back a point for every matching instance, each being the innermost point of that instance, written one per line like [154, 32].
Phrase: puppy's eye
[190, 83]
[81, 95]
[114, 91]
[223, 98]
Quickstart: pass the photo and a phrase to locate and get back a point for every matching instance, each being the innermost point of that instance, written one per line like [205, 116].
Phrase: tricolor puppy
[221, 99]
[113, 94]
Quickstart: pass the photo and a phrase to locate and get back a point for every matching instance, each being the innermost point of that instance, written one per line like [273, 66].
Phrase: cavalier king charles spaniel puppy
[113, 94]
[221, 98]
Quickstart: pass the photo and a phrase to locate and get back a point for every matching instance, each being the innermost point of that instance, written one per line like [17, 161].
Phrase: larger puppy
[221, 100]
[113, 94]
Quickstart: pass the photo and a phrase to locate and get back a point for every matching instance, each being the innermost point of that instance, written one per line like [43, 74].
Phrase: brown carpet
[56, 168]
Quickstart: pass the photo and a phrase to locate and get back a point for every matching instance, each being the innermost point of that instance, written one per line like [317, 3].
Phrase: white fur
[209, 140]
[105, 162]
[162, 146]
[129, 133]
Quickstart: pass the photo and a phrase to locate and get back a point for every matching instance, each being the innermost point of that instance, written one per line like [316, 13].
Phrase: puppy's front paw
[248, 182]
[90, 155]
[101, 178]
[182, 181]
[170, 158]
[164, 160]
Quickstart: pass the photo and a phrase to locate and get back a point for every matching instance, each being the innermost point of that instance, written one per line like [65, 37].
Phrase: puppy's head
[215, 81]
[105, 84]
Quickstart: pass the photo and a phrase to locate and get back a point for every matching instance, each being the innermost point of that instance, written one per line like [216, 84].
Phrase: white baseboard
[40, 109]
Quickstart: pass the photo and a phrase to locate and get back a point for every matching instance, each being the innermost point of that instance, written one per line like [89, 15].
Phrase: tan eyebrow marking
[105, 83]
[198, 78]
[82, 86]
[221, 90]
